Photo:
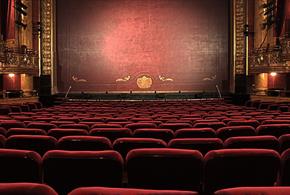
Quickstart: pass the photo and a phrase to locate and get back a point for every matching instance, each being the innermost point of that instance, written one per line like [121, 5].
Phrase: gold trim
[47, 36]
[239, 20]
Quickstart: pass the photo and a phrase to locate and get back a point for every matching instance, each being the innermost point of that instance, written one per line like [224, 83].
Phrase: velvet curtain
[280, 17]
[287, 18]
[7, 17]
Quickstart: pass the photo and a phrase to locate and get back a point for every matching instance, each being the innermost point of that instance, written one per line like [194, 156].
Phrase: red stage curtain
[7, 17]
[280, 17]
[10, 20]
[287, 18]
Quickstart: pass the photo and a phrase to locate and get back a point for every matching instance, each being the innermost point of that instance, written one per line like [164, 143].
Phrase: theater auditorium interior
[145, 97]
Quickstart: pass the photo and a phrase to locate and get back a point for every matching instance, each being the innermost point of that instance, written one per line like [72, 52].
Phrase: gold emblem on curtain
[144, 82]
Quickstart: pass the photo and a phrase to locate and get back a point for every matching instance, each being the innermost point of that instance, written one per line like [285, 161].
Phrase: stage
[140, 95]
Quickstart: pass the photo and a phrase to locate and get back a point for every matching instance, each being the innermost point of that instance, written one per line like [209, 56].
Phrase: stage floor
[22, 100]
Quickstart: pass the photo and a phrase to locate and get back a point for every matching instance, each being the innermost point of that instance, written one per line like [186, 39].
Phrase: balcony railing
[17, 60]
[271, 59]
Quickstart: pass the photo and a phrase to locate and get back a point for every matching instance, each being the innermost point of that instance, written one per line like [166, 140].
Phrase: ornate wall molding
[17, 60]
[47, 18]
[271, 59]
[239, 37]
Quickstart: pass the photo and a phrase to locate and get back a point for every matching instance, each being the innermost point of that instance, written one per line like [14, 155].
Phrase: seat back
[41, 125]
[67, 170]
[195, 133]
[124, 145]
[214, 125]
[126, 191]
[84, 143]
[262, 142]
[240, 167]
[277, 190]
[203, 145]
[284, 141]
[138, 125]
[25, 131]
[74, 126]
[164, 134]
[37, 143]
[166, 168]
[274, 129]
[175, 126]
[284, 176]
[60, 132]
[234, 131]
[251, 122]
[19, 166]
[111, 133]
[26, 189]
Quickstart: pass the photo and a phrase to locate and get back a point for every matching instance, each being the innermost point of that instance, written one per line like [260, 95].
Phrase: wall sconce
[11, 75]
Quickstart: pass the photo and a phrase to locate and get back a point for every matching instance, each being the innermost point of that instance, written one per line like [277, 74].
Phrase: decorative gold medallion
[144, 82]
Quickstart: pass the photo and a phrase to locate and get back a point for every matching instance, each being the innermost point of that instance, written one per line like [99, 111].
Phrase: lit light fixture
[273, 74]
[11, 75]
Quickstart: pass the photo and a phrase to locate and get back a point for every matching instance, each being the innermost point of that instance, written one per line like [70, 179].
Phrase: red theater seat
[105, 125]
[67, 170]
[170, 169]
[93, 119]
[234, 131]
[201, 144]
[253, 123]
[45, 119]
[37, 143]
[82, 143]
[58, 123]
[284, 141]
[274, 129]
[26, 189]
[60, 132]
[284, 176]
[74, 126]
[134, 126]
[3, 131]
[138, 119]
[25, 131]
[265, 122]
[7, 124]
[22, 118]
[214, 125]
[19, 166]
[74, 119]
[126, 191]
[111, 133]
[2, 141]
[124, 145]
[164, 134]
[175, 126]
[195, 133]
[277, 190]
[41, 125]
[240, 167]
[262, 142]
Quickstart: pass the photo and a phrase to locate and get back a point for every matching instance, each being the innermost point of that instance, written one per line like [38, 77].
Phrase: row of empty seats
[42, 143]
[155, 168]
[137, 147]
[42, 189]
[143, 130]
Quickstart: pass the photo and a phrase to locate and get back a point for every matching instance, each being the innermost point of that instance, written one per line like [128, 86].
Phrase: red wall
[278, 81]
[11, 83]
[178, 44]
